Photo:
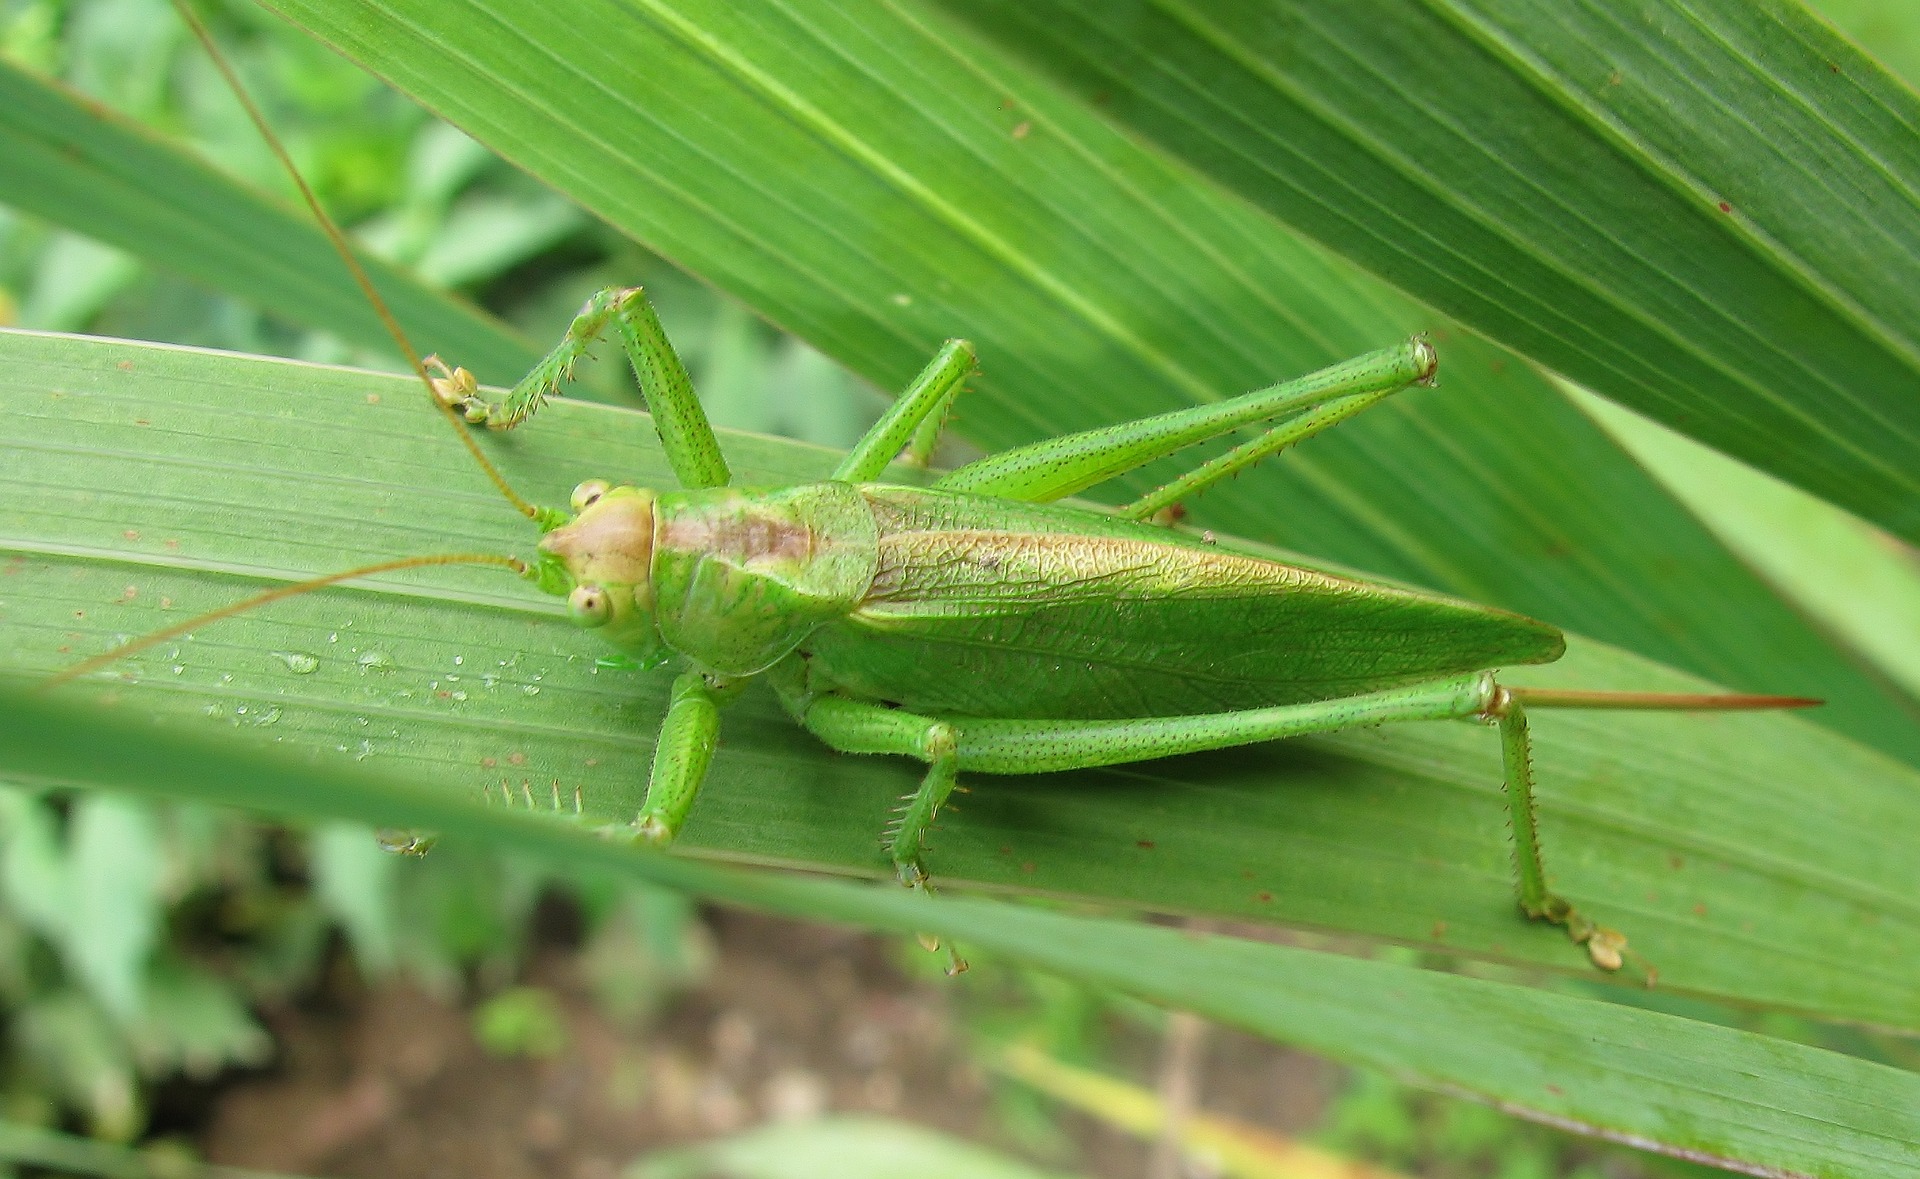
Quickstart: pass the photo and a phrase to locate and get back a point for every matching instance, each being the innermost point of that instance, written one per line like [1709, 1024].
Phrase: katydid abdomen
[985, 607]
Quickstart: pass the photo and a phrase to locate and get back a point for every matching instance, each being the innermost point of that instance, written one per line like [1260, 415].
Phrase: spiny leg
[855, 727]
[913, 421]
[1001, 746]
[1289, 432]
[906, 836]
[692, 450]
[458, 389]
[926, 436]
[1059, 467]
[1607, 947]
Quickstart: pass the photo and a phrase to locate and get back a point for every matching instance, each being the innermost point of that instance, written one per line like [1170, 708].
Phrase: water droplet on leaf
[299, 662]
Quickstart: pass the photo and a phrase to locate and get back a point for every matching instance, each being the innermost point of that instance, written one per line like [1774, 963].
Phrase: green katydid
[979, 625]
[976, 625]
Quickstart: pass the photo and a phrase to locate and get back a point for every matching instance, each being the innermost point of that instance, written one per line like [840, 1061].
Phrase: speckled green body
[947, 602]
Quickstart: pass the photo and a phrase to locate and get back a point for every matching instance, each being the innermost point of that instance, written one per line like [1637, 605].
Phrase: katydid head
[602, 560]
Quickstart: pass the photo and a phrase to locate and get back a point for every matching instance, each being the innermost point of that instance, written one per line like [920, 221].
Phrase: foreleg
[692, 450]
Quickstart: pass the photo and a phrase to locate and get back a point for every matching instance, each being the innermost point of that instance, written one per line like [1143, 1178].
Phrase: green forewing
[989, 607]
[740, 577]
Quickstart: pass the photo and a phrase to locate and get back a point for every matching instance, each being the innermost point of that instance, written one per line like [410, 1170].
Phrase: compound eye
[588, 493]
[589, 605]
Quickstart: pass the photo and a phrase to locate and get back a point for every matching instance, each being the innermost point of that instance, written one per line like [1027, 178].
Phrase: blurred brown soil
[793, 1021]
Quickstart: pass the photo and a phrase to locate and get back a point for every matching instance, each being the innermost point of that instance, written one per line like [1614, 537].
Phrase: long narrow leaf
[1751, 857]
[68, 1154]
[1699, 1091]
[1702, 208]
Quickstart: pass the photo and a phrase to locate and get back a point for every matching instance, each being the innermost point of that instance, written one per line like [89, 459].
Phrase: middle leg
[913, 421]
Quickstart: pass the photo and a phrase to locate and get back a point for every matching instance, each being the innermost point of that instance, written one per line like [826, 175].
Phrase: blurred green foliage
[410, 187]
[107, 976]
[136, 938]
[521, 1021]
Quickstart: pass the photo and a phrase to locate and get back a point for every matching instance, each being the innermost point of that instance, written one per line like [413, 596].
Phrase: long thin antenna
[359, 272]
[1657, 701]
[140, 644]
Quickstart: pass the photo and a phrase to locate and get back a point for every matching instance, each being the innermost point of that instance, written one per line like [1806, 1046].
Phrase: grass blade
[1703, 210]
[1756, 858]
[877, 180]
[1862, 585]
[1712, 1094]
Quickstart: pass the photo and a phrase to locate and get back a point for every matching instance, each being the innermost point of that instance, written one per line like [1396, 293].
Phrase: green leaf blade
[1712, 1094]
[1750, 857]
[1700, 210]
